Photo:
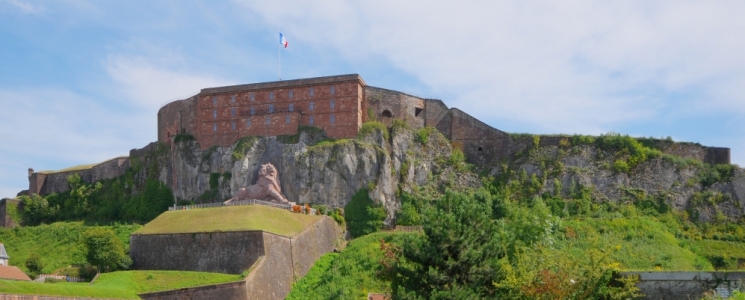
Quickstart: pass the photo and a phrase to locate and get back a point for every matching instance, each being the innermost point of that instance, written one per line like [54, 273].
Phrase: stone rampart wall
[685, 285]
[177, 117]
[317, 240]
[401, 106]
[223, 291]
[45, 184]
[221, 252]
[135, 153]
[40, 297]
[272, 278]
[5, 219]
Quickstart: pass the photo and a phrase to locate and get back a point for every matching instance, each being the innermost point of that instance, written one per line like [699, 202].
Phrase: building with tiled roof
[7, 271]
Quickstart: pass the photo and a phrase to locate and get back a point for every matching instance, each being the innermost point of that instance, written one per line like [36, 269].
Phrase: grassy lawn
[232, 218]
[124, 284]
[59, 244]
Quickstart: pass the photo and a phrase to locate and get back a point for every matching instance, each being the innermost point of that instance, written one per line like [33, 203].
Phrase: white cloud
[564, 67]
[26, 7]
[149, 85]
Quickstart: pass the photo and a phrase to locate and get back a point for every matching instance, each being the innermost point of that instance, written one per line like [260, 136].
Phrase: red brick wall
[215, 117]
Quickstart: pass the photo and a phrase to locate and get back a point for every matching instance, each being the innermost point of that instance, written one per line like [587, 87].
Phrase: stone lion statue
[266, 188]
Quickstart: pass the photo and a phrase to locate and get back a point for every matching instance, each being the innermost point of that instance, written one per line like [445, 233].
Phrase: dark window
[331, 118]
[481, 149]
[271, 108]
[291, 94]
[253, 110]
[331, 104]
[310, 120]
[232, 111]
[310, 92]
[214, 100]
[310, 106]
[291, 107]
[214, 114]
[214, 126]
[418, 111]
[387, 114]
[332, 90]
[271, 95]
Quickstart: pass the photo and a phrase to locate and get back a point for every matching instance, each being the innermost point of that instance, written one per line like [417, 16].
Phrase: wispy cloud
[26, 7]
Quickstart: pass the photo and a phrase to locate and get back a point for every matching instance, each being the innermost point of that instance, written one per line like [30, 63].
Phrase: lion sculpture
[266, 188]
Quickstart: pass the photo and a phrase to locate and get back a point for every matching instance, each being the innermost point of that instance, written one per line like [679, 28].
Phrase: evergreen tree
[457, 257]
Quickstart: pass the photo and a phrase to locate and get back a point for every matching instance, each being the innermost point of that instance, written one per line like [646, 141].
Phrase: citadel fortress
[339, 105]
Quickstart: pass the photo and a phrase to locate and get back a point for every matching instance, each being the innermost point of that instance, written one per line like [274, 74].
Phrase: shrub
[214, 180]
[105, 250]
[372, 126]
[34, 265]
[183, 137]
[241, 146]
[408, 215]
[363, 216]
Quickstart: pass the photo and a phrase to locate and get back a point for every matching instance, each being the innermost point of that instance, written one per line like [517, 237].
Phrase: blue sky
[82, 81]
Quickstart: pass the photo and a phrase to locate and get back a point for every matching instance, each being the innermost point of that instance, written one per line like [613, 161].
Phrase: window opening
[291, 107]
[214, 100]
[271, 95]
[214, 126]
[287, 119]
[267, 120]
[418, 111]
[310, 107]
[331, 119]
[310, 92]
[332, 104]
[251, 97]
[214, 114]
[291, 94]
[232, 125]
[253, 110]
[232, 99]
[232, 111]
[248, 122]
[271, 108]
[310, 120]
[332, 90]
[481, 149]
[387, 114]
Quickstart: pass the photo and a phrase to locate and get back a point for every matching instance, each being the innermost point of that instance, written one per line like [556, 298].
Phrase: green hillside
[231, 218]
[59, 244]
[123, 284]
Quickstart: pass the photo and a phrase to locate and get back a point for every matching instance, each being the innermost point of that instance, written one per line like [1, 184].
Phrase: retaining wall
[5, 220]
[45, 184]
[38, 297]
[223, 291]
[685, 285]
[221, 252]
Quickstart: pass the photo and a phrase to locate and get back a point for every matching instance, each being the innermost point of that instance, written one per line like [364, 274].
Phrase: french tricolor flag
[283, 40]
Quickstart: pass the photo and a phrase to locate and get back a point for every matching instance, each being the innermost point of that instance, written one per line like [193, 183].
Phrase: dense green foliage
[34, 265]
[105, 250]
[371, 126]
[119, 285]
[351, 274]
[58, 245]
[362, 215]
[105, 201]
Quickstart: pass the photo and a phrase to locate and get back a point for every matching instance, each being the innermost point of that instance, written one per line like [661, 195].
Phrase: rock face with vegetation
[319, 171]
[621, 169]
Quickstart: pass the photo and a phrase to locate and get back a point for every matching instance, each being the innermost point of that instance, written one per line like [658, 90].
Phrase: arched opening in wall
[386, 117]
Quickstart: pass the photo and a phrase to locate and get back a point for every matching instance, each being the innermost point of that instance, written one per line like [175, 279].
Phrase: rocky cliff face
[318, 171]
[683, 185]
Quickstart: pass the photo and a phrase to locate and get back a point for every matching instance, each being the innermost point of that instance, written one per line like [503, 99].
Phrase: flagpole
[279, 60]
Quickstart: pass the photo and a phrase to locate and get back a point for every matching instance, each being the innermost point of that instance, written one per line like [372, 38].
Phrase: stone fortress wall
[222, 115]
[276, 261]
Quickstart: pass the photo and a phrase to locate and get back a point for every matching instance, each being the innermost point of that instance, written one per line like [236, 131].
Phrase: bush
[408, 215]
[183, 137]
[34, 265]
[370, 127]
[105, 250]
[363, 216]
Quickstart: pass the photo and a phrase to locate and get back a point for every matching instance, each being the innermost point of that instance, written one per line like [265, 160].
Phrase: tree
[363, 216]
[34, 264]
[35, 210]
[457, 257]
[105, 250]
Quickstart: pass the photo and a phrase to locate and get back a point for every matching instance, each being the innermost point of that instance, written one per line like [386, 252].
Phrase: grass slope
[124, 284]
[232, 218]
[350, 274]
[59, 244]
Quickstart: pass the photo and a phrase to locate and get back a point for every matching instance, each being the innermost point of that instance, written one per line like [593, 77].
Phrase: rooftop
[283, 83]
[12, 273]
